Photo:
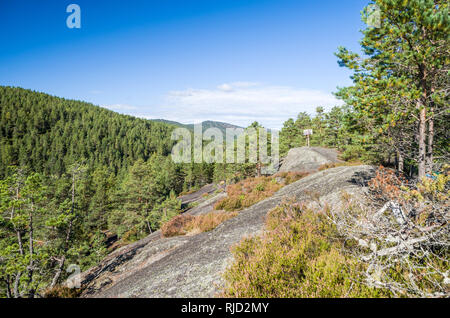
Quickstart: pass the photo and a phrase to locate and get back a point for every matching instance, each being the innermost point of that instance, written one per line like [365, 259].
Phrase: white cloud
[121, 107]
[225, 87]
[241, 103]
[229, 87]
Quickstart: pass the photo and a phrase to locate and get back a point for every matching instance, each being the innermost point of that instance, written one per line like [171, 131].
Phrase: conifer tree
[401, 82]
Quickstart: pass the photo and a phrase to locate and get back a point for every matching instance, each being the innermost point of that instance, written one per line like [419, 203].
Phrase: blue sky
[190, 60]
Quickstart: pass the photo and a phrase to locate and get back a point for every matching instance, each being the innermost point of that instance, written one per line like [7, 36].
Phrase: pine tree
[401, 84]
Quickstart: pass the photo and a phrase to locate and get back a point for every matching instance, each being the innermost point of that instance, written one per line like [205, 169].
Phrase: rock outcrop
[198, 197]
[308, 159]
[192, 266]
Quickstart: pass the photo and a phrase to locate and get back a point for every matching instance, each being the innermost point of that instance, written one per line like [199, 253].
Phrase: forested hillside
[72, 175]
[215, 124]
[49, 133]
[205, 125]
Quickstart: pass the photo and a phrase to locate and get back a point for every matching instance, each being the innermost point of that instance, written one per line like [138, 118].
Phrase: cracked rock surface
[192, 266]
[308, 159]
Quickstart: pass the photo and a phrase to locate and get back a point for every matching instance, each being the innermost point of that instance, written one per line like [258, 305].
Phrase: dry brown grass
[339, 164]
[291, 177]
[190, 191]
[186, 224]
[177, 225]
[248, 192]
[252, 190]
[60, 291]
[208, 222]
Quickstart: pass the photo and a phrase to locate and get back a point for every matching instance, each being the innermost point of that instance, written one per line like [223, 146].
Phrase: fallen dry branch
[405, 243]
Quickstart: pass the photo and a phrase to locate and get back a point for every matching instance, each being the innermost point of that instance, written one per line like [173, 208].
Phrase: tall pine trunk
[422, 142]
[400, 161]
[429, 159]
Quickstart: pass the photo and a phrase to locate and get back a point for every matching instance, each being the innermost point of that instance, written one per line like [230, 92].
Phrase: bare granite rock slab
[128, 259]
[199, 195]
[308, 159]
[192, 266]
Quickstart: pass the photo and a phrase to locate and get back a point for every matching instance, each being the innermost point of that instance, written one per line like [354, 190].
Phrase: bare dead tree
[404, 241]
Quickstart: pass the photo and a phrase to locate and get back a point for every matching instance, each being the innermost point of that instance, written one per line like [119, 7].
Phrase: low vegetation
[253, 190]
[240, 195]
[298, 256]
[186, 224]
[60, 291]
[339, 164]
[404, 233]
[248, 192]
[291, 176]
[310, 250]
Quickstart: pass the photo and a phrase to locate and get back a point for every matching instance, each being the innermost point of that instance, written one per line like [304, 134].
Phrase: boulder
[308, 159]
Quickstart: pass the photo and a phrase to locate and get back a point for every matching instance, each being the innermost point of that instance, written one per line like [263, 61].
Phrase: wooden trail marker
[307, 133]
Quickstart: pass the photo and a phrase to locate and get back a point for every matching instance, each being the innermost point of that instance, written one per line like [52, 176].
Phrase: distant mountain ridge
[206, 124]
[47, 133]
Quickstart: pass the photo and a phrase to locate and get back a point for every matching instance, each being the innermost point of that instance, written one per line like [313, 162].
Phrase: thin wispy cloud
[121, 107]
[243, 102]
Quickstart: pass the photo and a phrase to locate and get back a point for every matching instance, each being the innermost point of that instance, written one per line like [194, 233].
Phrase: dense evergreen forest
[73, 174]
[49, 133]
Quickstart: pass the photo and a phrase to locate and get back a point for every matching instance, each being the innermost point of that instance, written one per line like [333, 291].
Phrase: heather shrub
[404, 234]
[60, 291]
[253, 190]
[298, 256]
[189, 224]
[233, 203]
[247, 192]
[291, 176]
[177, 225]
[387, 185]
[330, 165]
[208, 222]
